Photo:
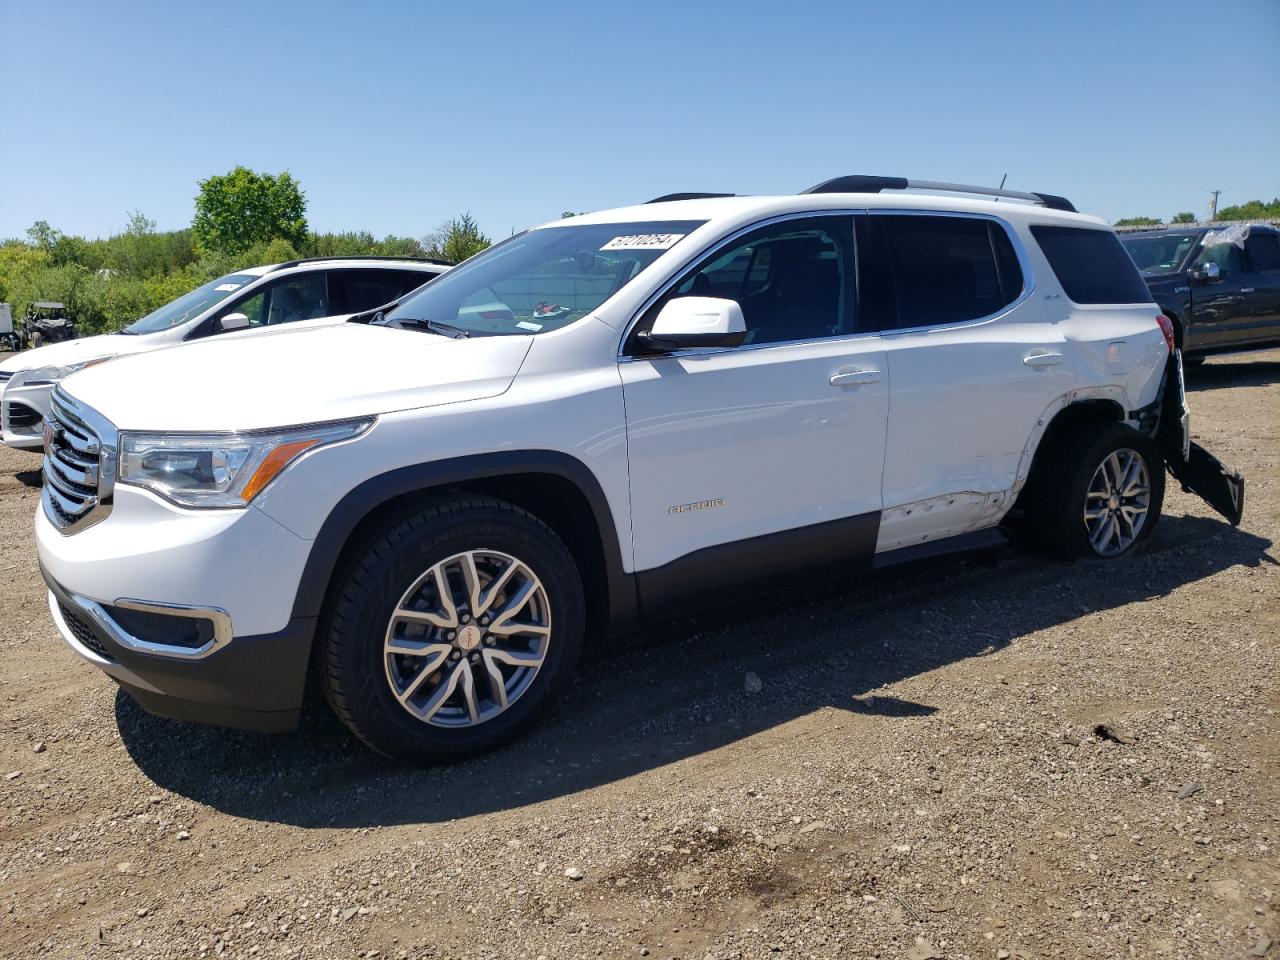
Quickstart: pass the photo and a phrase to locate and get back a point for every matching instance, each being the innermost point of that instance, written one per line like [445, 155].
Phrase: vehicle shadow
[677, 690]
[1238, 373]
[30, 478]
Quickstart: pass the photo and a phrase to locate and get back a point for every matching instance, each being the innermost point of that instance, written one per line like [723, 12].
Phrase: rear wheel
[1097, 492]
[452, 630]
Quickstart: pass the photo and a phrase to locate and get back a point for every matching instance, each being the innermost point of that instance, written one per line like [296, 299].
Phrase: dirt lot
[994, 757]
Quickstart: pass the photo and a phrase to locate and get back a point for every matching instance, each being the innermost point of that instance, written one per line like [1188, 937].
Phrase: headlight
[220, 470]
[54, 374]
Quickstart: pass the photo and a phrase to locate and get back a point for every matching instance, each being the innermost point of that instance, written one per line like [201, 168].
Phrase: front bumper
[238, 570]
[22, 411]
[252, 683]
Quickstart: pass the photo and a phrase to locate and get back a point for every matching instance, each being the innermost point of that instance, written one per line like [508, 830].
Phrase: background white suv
[321, 289]
[600, 420]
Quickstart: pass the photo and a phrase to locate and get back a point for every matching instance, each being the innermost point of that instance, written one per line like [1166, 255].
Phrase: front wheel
[452, 630]
[1097, 492]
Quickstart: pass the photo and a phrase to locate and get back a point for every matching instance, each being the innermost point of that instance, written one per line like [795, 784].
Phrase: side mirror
[1209, 273]
[696, 322]
[233, 321]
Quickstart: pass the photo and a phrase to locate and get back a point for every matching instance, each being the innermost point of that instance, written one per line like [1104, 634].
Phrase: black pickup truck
[1219, 285]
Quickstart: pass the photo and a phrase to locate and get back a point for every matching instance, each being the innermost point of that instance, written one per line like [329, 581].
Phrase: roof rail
[866, 184]
[361, 256]
[667, 197]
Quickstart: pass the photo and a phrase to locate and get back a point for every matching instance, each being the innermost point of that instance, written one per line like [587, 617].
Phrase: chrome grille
[79, 465]
[5, 376]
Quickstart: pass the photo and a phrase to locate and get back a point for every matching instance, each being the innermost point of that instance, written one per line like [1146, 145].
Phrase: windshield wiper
[435, 326]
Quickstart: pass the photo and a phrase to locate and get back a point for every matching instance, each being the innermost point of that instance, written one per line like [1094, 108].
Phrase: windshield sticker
[228, 287]
[528, 325]
[645, 241]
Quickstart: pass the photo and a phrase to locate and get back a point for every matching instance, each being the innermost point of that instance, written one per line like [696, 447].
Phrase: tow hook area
[1198, 470]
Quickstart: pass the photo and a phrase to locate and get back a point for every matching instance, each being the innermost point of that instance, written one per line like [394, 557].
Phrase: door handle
[1246, 289]
[852, 378]
[1042, 359]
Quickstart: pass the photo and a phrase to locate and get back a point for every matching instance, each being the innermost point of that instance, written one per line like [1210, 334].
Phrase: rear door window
[1091, 265]
[1263, 249]
[354, 291]
[924, 271]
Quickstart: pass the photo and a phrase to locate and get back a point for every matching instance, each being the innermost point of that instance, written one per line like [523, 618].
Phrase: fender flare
[360, 502]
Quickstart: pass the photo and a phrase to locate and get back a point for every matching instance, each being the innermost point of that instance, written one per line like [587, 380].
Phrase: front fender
[360, 503]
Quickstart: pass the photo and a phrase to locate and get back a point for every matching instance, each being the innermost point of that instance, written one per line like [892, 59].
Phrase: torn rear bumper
[1199, 471]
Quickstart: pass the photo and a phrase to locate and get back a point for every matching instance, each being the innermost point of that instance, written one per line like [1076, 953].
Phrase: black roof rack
[362, 256]
[666, 197]
[865, 184]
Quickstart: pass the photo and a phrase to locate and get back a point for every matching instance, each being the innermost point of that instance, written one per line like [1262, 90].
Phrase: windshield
[191, 304]
[543, 279]
[1160, 253]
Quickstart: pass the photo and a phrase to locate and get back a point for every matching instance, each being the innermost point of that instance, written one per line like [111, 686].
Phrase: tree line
[1253, 210]
[242, 219]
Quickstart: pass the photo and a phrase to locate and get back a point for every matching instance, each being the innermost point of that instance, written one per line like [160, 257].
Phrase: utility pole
[1213, 205]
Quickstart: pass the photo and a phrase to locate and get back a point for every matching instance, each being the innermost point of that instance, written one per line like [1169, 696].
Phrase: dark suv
[1219, 285]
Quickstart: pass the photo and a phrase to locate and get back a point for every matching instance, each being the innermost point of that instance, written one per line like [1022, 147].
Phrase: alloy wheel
[1118, 502]
[467, 639]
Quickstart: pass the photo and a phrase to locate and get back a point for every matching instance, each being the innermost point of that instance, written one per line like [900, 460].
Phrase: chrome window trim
[747, 347]
[1019, 251]
[220, 618]
[679, 272]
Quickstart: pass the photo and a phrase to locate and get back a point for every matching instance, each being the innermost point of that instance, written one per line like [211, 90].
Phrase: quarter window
[1091, 265]
[792, 280]
[924, 271]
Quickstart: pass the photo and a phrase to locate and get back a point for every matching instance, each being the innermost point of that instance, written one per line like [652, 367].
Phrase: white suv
[319, 289]
[597, 421]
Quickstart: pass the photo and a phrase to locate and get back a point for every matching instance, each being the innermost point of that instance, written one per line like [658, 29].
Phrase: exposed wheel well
[555, 500]
[1063, 422]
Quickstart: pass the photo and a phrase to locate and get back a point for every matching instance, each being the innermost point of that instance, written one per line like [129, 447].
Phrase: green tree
[236, 210]
[1253, 210]
[1138, 222]
[279, 250]
[457, 239]
[1184, 217]
[42, 236]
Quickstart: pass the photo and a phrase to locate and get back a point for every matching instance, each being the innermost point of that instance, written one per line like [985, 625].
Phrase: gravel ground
[993, 757]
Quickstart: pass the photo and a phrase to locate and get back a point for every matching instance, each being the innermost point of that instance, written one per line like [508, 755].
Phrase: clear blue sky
[395, 116]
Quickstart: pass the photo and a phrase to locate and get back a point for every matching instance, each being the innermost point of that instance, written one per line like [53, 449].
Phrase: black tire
[1054, 501]
[368, 588]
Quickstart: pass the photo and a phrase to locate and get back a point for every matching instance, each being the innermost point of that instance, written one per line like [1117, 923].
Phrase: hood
[74, 351]
[295, 376]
